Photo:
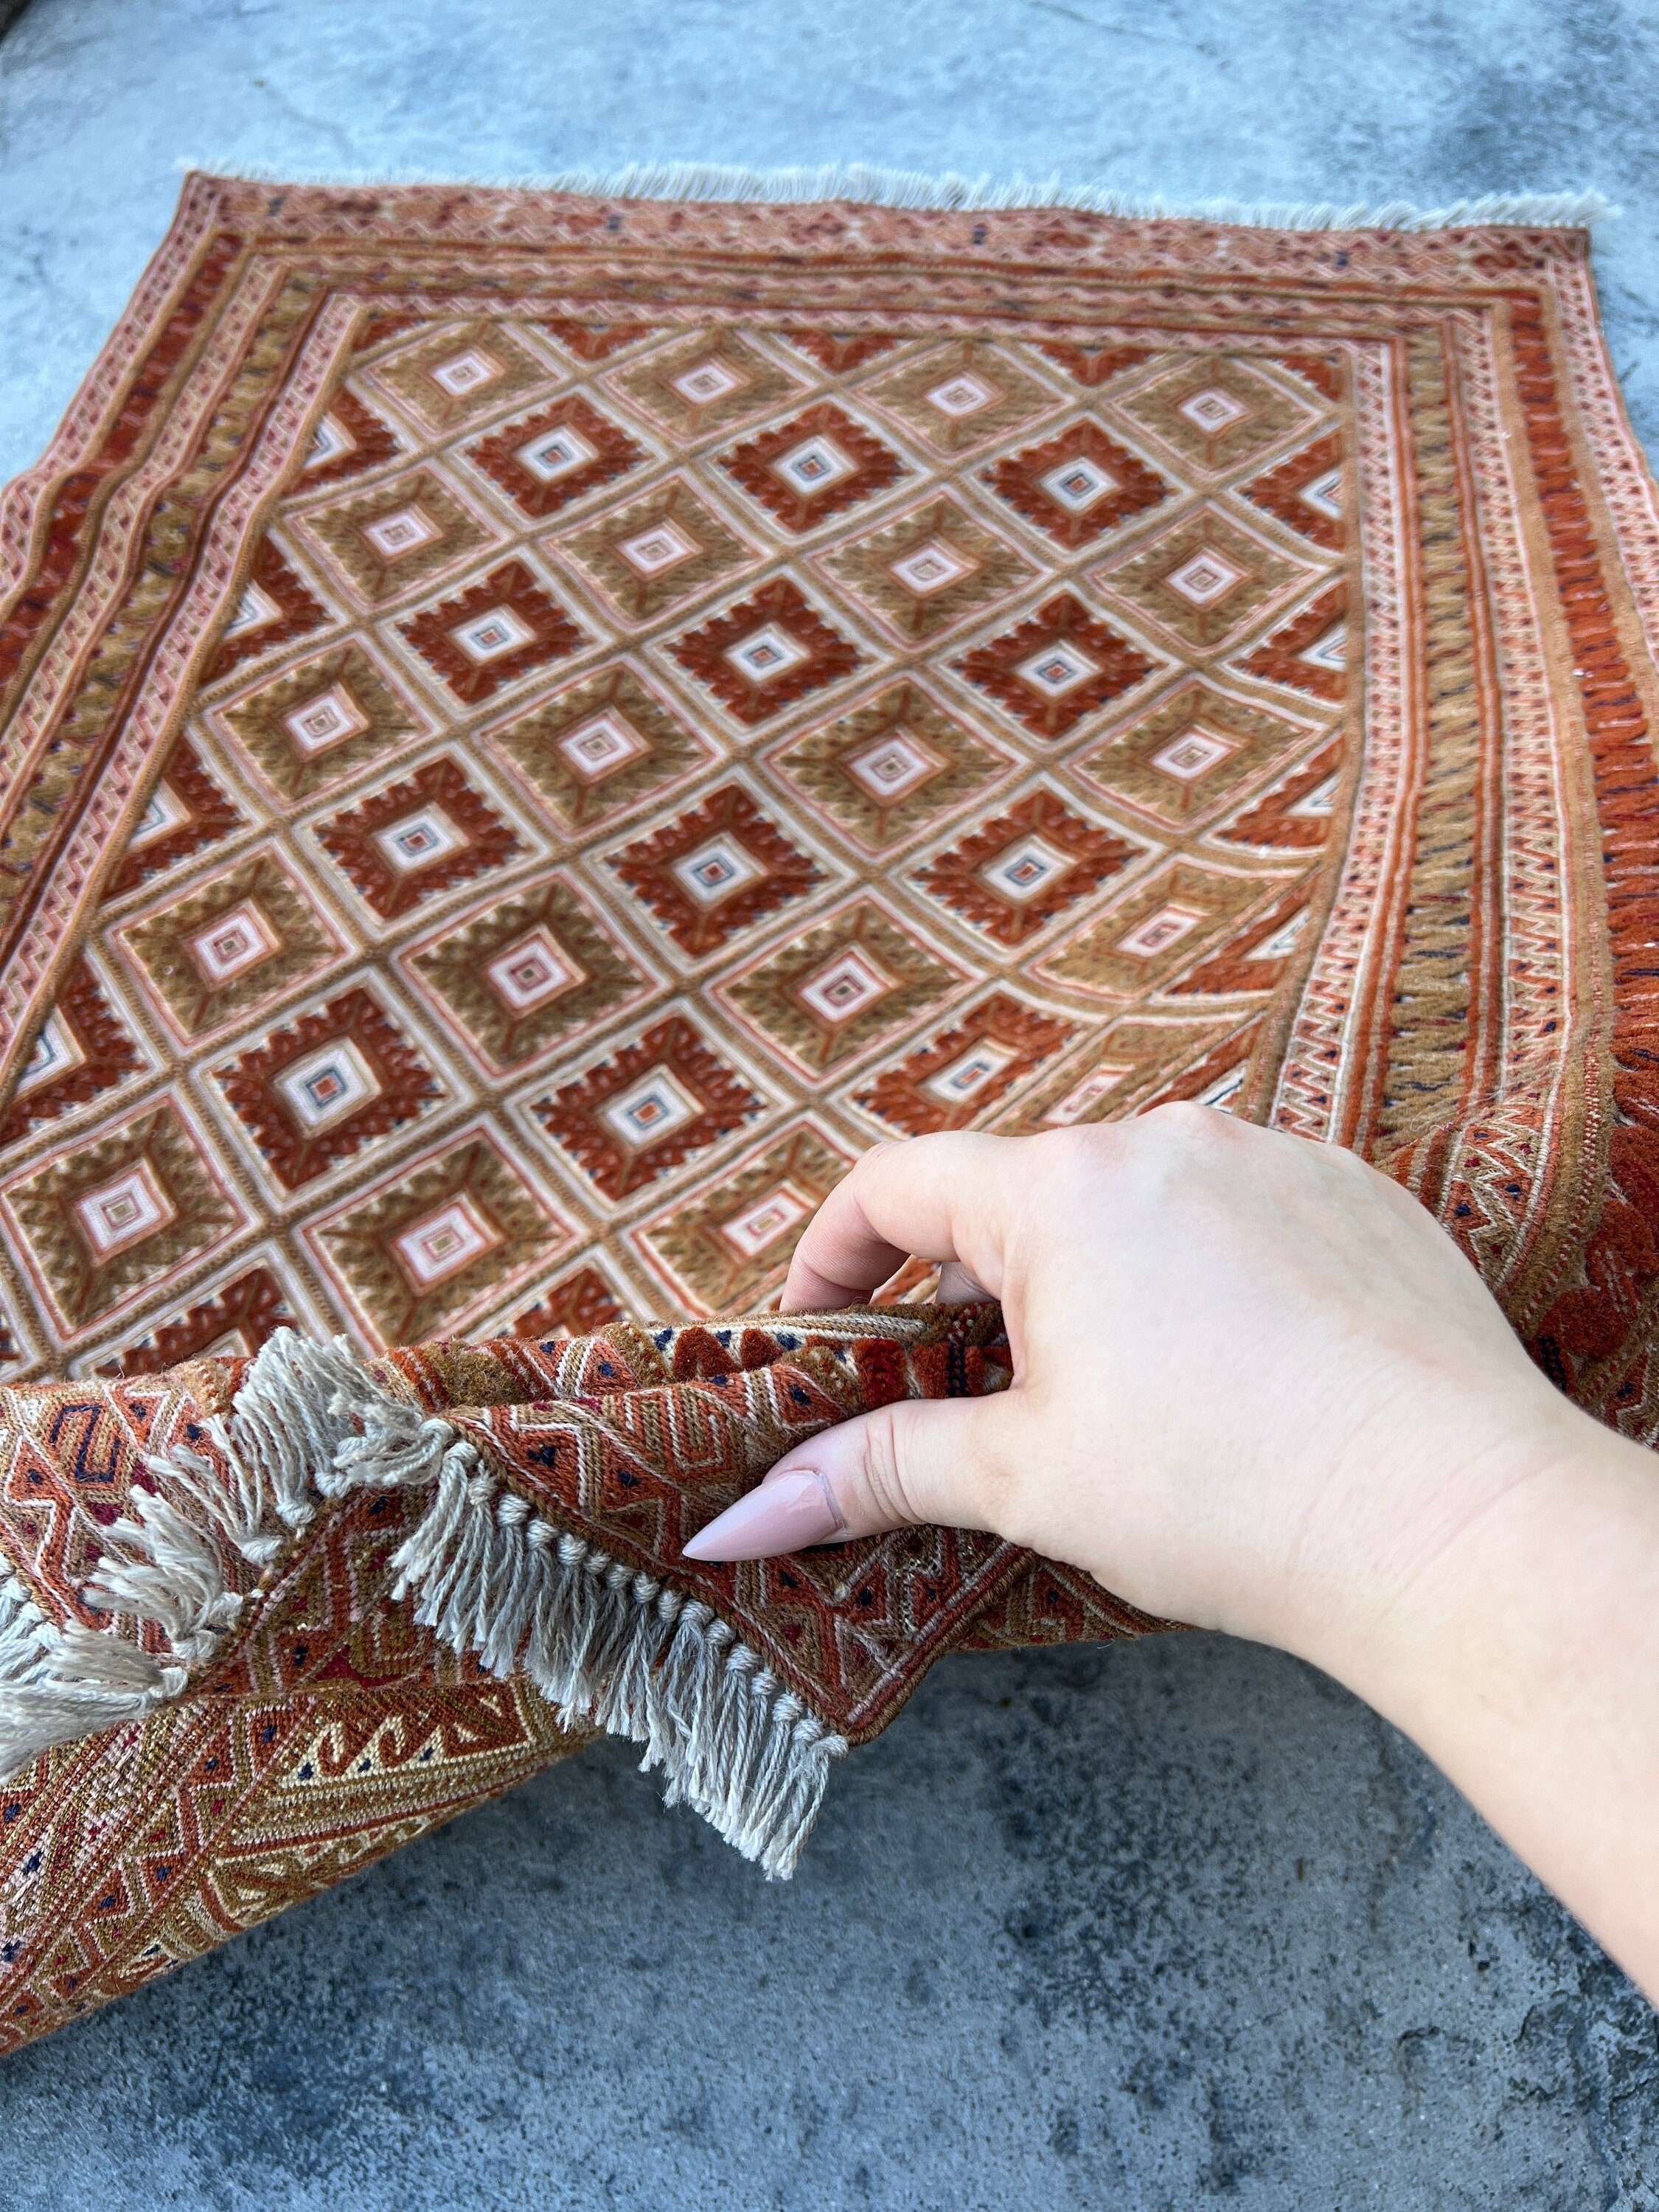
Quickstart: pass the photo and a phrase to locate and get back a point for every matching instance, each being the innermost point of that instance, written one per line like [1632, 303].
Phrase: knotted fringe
[602, 1642]
[866, 185]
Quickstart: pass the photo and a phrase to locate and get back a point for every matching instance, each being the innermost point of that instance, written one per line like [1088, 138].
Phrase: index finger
[926, 1196]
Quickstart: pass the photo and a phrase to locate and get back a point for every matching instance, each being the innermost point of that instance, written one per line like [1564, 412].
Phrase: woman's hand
[1256, 1385]
[1257, 1389]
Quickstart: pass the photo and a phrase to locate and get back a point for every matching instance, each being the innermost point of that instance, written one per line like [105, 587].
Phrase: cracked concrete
[1170, 1924]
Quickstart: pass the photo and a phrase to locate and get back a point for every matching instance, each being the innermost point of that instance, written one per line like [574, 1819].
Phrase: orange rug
[539, 727]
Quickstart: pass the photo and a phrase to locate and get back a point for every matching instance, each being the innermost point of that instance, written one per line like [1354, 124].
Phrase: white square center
[1083, 1095]
[327, 1085]
[766, 653]
[598, 748]
[486, 637]
[654, 1108]
[715, 870]
[121, 1212]
[1204, 579]
[555, 454]
[961, 395]
[891, 767]
[848, 985]
[665, 545]
[1159, 931]
[1078, 483]
[327, 718]
[1023, 870]
[932, 568]
[765, 1219]
[395, 536]
[443, 1243]
[814, 467]
[532, 971]
[709, 380]
[417, 840]
[237, 941]
[1058, 669]
[466, 372]
[1213, 410]
[970, 1072]
[1193, 754]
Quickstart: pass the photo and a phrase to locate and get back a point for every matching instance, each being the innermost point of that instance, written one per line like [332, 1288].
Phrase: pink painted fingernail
[787, 1513]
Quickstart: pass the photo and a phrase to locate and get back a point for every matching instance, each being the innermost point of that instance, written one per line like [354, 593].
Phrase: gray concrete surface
[1168, 1925]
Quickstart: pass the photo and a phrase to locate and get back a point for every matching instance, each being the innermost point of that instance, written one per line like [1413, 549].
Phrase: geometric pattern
[705, 687]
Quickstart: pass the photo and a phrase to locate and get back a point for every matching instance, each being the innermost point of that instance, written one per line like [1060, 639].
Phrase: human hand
[1256, 1387]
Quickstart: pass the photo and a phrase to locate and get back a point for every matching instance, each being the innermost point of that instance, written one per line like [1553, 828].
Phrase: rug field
[536, 727]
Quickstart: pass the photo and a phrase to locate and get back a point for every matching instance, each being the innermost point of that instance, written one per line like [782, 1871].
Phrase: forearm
[1524, 1659]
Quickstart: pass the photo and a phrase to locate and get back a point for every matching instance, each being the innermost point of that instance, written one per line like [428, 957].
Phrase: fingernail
[787, 1513]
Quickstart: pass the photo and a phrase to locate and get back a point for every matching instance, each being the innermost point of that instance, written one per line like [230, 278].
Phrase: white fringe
[601, 1643]
[873, 187]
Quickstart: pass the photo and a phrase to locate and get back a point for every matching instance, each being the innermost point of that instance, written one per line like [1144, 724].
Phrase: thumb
[917, 1460]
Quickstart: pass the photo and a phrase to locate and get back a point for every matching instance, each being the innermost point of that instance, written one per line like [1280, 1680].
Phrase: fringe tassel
[870, 185]
[602, 1642]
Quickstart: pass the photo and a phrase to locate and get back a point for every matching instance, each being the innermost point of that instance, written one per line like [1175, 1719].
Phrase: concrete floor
[1167, 1925]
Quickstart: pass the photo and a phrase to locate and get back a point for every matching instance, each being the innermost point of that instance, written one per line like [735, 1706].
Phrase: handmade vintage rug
[536, 727]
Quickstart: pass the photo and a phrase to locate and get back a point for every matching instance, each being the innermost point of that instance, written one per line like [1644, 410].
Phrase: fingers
[920, 1459]
[931, 1197]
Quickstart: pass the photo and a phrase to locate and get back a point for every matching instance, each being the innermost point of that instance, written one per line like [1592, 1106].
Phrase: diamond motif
[494, 633]
[716, 872]
[274, 609]
[647, 1108]
[929, 569]
[1217, 409]
[448, 1232]
[954, 1079]
[828, 995]
[1296, 814]
[1309, 654]
[553, 459]
[319, 1090]
[321, 722]
[1058, 665]
[350, 438]
[186, 813]
[1305, 492]
[707, 381]
[1203, 580]
[527, 975]
[388, 541]
[98, 1226]
[961, 395]
[1016, 874]
[447, 379]
[230, 946]
[1188, 758]
[664, 549]
[1079, 486]
[81, 1051]
[600, 748]
[419, 837]
[1152, 934]
[890, 767]
[817, 465]
[727, 1249]
[768, 652]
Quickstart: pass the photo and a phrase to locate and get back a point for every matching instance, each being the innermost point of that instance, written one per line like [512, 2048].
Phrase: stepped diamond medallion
[1078, 487]
[889, 770]
[957, 397]
[713, 873]
[464, 371]
[727, 1249]
[660, 551]
[1015, 874]
[500, 629]
[1160, 928]
[815, 466]
[648, 1108]
[929, 570]
[325, 720]
[600, 748]
[1204, 579]
[1185, 760]
[418, 838]
[1056, 667]
[230, 945]
[551, 459]
[386, 542]
[1216, 410]
[707, 382]
[766, 654]
[829, 994]
[955, 1076]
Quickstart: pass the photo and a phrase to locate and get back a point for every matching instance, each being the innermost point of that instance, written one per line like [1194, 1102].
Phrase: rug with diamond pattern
[538, 727]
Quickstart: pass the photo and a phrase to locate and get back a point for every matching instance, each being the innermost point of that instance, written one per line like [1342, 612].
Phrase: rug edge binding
[606, 1645]
[871, 186]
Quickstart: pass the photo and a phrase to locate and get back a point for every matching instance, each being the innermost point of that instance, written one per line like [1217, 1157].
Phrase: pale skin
[1257, 1389]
